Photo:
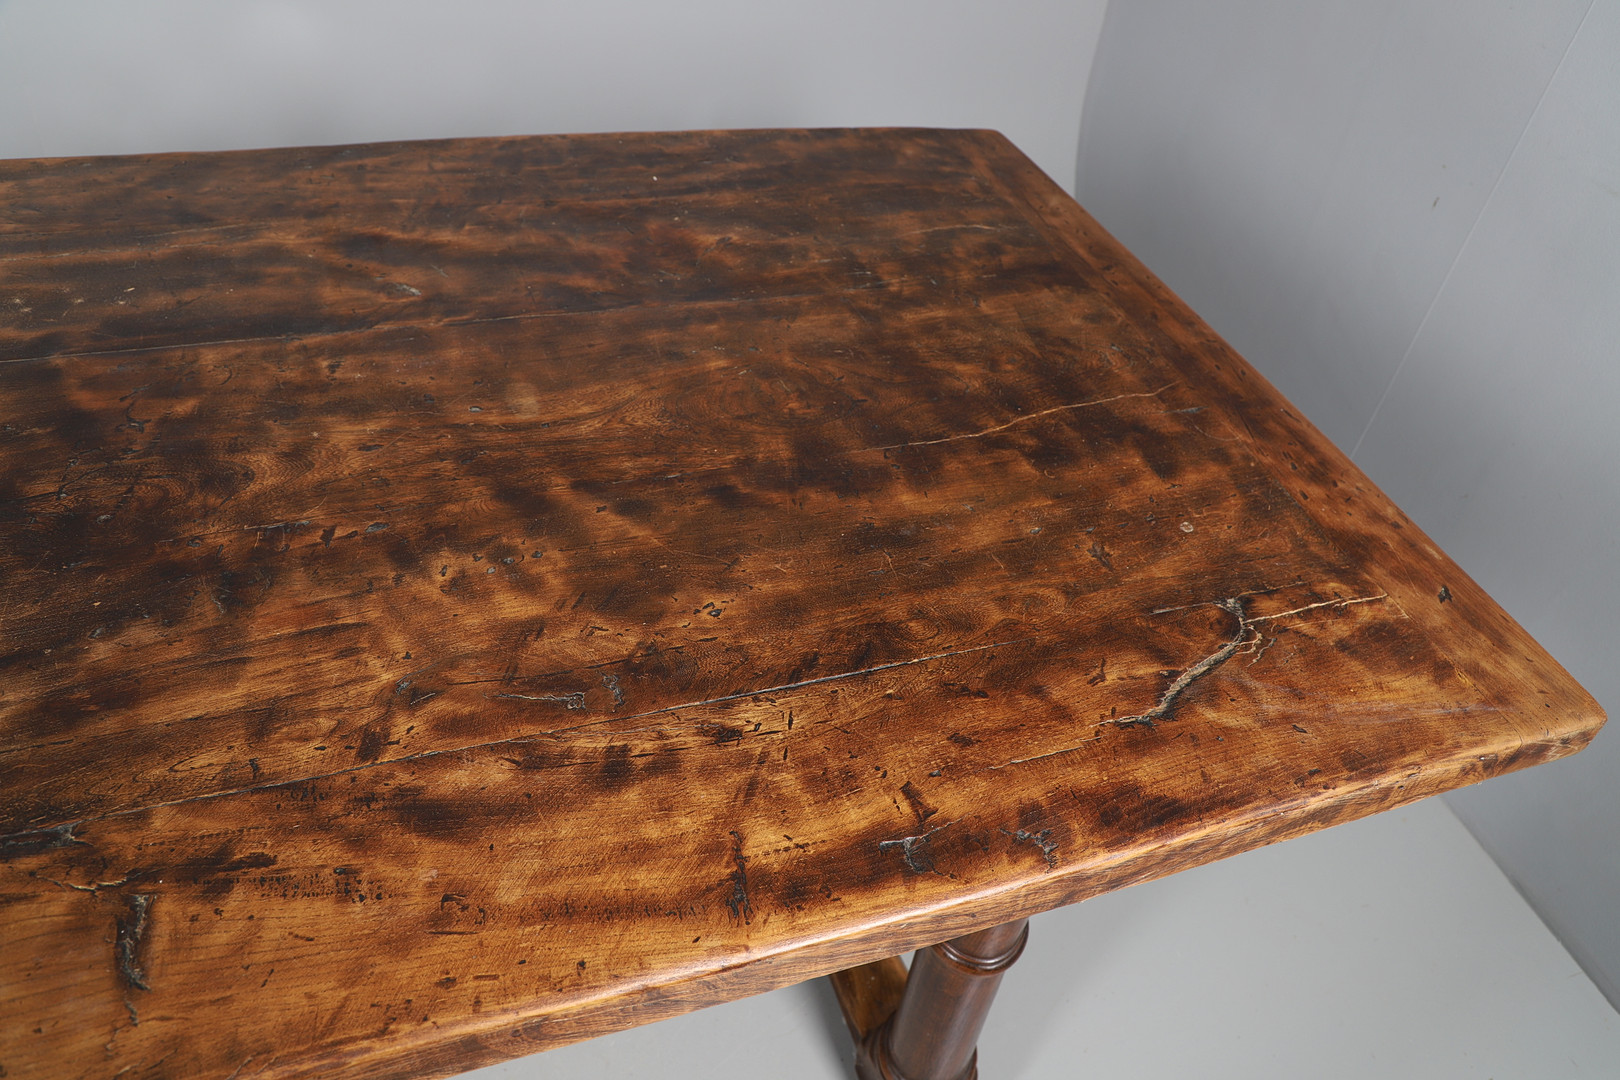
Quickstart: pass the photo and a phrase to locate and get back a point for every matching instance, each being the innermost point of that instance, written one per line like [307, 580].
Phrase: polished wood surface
[463, 597]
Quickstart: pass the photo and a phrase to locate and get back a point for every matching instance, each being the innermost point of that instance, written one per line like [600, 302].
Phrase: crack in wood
[1167, 701]
[484, 320]
[127, 941]
[1246, 625]
[785, 687]
[21, 843]
[1021, 419]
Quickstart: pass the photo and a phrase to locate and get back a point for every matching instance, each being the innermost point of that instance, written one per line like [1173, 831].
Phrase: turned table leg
[924, 1026]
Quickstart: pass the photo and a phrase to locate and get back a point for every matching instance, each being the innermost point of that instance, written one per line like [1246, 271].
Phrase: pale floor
[1390, 948]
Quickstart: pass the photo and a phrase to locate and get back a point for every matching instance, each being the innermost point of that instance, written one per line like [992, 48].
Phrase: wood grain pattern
[462, 597]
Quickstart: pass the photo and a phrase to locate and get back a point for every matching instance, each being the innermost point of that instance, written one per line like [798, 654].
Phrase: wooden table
[464, 597]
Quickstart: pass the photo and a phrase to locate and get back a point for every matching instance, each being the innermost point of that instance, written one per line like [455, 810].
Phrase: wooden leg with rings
[925, 1025]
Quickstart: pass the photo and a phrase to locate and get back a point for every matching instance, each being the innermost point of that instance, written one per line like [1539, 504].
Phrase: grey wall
[99, 78]
[1407, 214]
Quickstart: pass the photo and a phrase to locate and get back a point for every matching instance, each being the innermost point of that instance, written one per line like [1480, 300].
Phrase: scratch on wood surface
[693, 554]
[1267, 590]
[785, 687]
[947, 228]
[1048, 754]
[1022, 419]
[575, 700]
[1322, 604]
[406, 325]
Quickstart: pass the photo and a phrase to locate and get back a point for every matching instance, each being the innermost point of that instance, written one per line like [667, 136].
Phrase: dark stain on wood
[919, 804]
[37, 841]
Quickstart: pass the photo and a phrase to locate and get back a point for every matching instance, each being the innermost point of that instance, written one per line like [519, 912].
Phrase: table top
[461, 597]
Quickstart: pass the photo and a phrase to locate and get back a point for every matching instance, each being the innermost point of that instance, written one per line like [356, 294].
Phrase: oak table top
[461, 597]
